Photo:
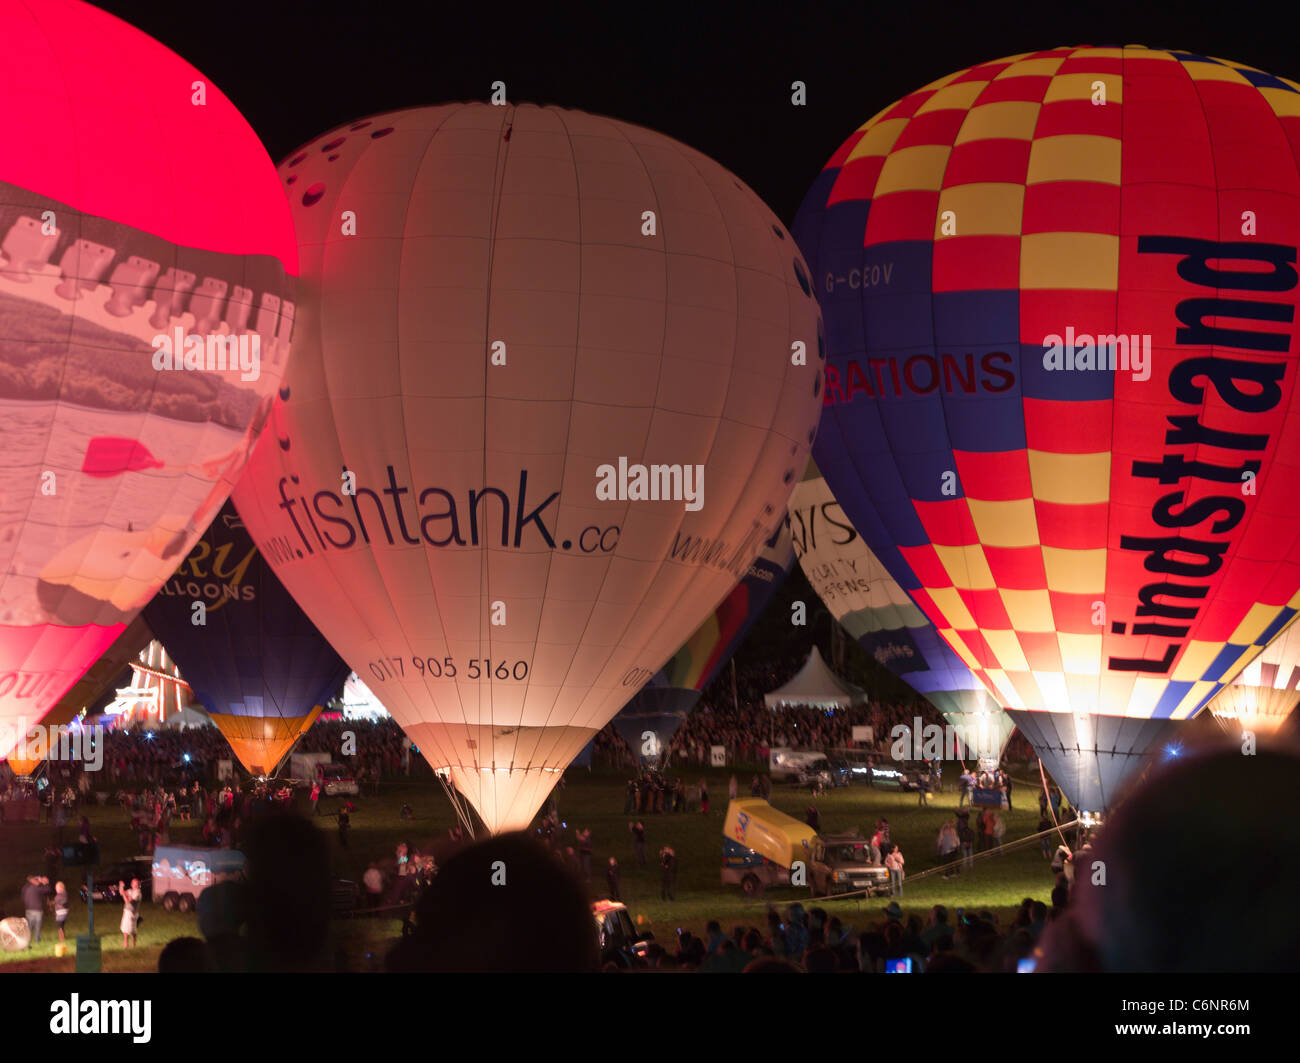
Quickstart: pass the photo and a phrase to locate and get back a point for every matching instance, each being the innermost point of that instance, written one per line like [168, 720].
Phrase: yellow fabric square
[1004, 691]
[982, 210]
[1213, 72]
[1074, 157]
[1070, 479]
[1007, 650]
[1004, 524]
[1147, 691]
[1005, 120]
[1115, 692]
[1254, 624]
[1079, 87]
[967, 567]
[1075, 571]
[879, 140]
[1285, 104]
[953, 608]
[1052, 686]
[1029, 611]
[1197, 657]
[1085, 693]
[1187, 706]
[1080, 654]
[1096, 53]
[959, 97]
[1031, 68]
[1085, 261]
[918, 169]
[959, 647]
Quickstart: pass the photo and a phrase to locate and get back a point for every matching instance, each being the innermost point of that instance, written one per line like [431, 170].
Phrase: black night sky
[716, 76]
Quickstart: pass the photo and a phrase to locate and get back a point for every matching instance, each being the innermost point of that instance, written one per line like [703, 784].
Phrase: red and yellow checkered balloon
[1059, 293]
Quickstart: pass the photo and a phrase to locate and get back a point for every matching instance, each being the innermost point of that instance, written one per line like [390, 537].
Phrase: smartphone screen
[1026, 965]
[903, 966]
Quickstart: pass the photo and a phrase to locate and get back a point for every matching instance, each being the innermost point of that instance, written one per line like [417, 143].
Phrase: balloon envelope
[256, 664]
[1267, 690]
[83, 694]
[649, 721]
[1083, 469]
[539, 306]
[117, 246]
[870, 605]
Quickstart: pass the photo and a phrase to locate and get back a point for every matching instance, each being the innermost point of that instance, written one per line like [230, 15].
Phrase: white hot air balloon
[528, 338]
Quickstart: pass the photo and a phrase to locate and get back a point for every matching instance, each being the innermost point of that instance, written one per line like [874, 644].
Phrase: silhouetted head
[1149, 915]
[184, 956]
[288, 894]
[501, 905]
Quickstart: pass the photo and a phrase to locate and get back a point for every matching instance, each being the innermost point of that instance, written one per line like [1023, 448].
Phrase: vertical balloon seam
[688, 156]
[554, 740]
[484, 632]
[677, 147]
[443, 117]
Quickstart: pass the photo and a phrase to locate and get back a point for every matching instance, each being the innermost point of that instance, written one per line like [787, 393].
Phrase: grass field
[997, 882]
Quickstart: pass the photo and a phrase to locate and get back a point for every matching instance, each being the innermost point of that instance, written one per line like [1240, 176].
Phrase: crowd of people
[812, 940]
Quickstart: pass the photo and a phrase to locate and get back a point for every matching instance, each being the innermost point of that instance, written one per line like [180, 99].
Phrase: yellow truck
[761, 844]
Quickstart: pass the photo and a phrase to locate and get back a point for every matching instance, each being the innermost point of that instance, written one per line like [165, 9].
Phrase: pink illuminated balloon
[139, 218]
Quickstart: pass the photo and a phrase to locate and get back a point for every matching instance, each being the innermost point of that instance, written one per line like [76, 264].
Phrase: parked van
[182, 872]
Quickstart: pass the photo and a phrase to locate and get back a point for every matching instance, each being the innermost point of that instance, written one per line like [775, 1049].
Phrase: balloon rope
[1051, 811]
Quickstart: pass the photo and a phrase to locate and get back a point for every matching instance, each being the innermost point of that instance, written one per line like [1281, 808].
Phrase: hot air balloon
[483, 481]
[80, 697]
[153, 689]
[870, 605]
[1059, 292]
[256, 664]
[648, 722]
[145, 247]
[1266, 691]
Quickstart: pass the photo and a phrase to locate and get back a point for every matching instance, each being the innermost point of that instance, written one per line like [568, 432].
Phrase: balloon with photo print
[111, 255]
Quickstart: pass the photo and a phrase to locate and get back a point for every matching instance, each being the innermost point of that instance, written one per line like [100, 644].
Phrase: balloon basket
[89, 959]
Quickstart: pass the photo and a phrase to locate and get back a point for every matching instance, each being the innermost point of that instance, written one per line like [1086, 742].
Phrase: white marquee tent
[816, 686]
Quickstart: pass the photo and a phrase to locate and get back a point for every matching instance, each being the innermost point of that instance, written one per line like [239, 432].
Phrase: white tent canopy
[816, 686]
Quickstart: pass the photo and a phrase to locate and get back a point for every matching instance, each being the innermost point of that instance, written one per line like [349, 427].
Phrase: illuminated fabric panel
[870, 605]
[663, 704]
[1266, 691]
[261, 742]
[1024, 269]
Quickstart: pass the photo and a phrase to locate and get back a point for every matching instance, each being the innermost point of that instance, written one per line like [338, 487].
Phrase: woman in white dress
[130, 911]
